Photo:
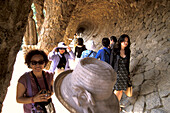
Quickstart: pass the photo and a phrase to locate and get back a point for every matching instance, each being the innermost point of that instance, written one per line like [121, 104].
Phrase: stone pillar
[12, 27]
[39, 5]
[30, 37]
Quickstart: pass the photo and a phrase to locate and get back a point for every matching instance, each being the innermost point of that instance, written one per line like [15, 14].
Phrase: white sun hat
[61, 45]
[90, 45]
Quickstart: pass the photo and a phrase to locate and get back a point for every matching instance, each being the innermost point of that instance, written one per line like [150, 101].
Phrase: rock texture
[39, 5]
[58, 15]
[147, 22]
[13, 20]
[30, 36]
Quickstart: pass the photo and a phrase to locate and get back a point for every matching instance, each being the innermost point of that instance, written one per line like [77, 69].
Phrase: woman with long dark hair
[121, 65]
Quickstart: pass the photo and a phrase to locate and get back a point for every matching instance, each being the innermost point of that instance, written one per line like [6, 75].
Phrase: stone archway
[146, 22]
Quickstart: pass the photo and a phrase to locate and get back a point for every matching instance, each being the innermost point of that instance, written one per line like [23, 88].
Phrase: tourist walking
[35, 88]
[90, 52]
[121, 61]
[60, 58]
[79, 48]
[104, 54]
[113, 41]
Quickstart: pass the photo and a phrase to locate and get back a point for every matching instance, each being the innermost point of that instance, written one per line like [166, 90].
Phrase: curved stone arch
[146, 22]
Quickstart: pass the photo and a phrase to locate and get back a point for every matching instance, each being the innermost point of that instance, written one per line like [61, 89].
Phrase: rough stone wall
[55, 23]
[30, 36]
[39, 5]
[148, 28]
[13, 19]
[145, 21]
[97, 18]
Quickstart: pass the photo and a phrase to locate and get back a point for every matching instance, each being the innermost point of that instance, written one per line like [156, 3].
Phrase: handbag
[129, 90]
[40, 107]
[43, 107]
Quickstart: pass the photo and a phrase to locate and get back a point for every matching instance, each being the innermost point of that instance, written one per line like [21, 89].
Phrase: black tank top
[62, 62]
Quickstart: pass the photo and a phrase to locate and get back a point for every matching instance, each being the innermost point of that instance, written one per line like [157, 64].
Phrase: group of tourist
[117, 54]
[35, 88]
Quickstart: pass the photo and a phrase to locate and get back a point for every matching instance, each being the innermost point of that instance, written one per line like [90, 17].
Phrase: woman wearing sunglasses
[36, 85]
[60, 58]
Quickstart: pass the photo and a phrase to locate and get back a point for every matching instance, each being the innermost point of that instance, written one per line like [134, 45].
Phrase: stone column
[30, 37]
[55, 23]
[39, 5]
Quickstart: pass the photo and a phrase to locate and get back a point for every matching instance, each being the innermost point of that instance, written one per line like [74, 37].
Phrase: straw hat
[89, 88]
[61, 45]
[90, 45]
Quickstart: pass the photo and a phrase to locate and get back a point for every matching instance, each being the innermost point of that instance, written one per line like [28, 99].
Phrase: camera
[45, 92]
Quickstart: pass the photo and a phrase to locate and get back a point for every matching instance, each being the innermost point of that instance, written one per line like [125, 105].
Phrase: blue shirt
[87, 52]
[103, 56]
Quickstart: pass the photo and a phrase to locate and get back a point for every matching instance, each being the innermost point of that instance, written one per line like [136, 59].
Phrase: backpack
[90, 53]
[106, 53]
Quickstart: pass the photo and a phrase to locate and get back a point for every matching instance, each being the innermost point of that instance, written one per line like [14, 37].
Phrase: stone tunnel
[145, 21]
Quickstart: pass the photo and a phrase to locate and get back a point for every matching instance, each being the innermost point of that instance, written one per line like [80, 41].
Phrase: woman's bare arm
[26, 100]
[20, 95]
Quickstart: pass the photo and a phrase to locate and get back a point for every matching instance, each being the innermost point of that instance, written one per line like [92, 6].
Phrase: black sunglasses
[38, 62]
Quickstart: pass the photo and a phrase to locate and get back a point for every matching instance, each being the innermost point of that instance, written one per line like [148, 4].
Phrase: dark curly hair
[105, 42]
[31, 53]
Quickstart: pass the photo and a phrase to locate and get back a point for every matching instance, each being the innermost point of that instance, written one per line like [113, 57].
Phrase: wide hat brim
[61, 47]
[57, 89]
[58, 92]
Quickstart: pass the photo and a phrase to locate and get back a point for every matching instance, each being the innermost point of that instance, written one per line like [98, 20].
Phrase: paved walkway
[10, 105]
